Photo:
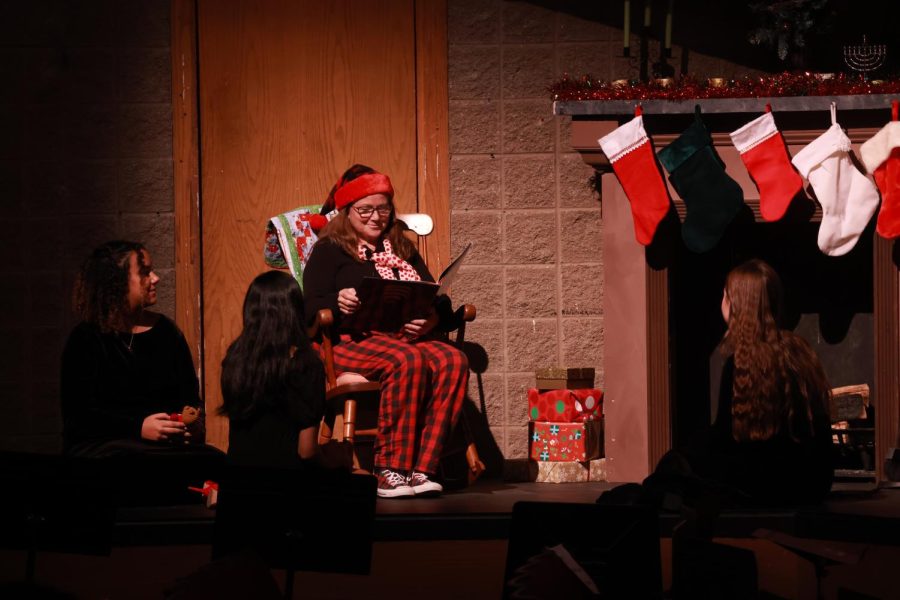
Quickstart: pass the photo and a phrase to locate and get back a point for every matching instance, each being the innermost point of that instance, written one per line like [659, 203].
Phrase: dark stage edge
[484, 512]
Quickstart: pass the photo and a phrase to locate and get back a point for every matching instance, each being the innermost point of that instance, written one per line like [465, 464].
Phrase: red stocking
[881, 156]
[628, 149]
[765, 156]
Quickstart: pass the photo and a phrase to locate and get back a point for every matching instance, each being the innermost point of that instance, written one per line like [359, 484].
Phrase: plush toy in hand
[191, 417]
[188, 415]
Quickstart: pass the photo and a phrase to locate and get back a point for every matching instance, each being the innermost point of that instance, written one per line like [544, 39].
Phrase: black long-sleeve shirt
[270, 437]
[782, 469]
[108, 389]
[330, 269]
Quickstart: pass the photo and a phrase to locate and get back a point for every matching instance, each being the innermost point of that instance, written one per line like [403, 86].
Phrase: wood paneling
[186, 176]
[433, 160]
[291, 93]
[887, 349]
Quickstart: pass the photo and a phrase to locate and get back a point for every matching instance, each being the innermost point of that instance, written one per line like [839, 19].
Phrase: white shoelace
[393, 478]
[418, 479]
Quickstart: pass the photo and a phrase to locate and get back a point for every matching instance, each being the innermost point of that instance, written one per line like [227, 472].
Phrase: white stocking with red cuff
[629, 151]
[848, 197]
[764, 154]
[881, 156]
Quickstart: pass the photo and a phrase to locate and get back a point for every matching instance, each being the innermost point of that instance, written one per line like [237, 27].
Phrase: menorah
[865, 58]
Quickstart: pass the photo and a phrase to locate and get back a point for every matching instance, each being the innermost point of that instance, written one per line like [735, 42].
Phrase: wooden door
[291, 92]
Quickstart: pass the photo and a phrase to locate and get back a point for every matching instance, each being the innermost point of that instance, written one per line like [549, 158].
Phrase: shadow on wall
[476, 413]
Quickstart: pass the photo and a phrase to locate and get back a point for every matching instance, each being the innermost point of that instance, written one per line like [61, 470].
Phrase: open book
[388, 304]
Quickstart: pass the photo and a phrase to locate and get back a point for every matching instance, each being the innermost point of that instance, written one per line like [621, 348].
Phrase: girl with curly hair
[771, 442]
[772, 434]
[127, 372]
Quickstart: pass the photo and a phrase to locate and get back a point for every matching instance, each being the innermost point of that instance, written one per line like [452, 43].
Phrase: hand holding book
[389, 305]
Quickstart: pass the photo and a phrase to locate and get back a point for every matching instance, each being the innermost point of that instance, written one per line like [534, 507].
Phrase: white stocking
[848, 198]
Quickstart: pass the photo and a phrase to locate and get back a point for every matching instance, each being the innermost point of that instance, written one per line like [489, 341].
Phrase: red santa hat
[364, 185]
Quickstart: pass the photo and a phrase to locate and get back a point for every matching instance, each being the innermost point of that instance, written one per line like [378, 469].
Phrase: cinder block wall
[521, 195]
[85, 156]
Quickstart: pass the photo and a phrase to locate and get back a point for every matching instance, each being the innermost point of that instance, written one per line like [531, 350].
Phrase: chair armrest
[322, 324]
[321, 327]
[468, 312]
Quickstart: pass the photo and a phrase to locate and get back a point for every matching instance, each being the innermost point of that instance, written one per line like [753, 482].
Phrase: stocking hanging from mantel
[631, 154]
[881, 156]
[712, 198]
[847, 196]
[765, 155]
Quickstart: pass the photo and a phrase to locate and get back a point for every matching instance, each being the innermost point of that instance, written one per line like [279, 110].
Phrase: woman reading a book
[423, 380]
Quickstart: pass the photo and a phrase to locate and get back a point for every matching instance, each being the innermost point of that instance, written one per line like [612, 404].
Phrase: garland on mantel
[691, 88]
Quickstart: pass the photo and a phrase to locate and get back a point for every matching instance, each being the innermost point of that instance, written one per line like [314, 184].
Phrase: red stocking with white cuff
[881, 156]
[629, 151]
[764, 154]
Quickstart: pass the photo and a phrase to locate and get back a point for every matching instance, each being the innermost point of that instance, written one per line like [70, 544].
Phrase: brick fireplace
[661, 302]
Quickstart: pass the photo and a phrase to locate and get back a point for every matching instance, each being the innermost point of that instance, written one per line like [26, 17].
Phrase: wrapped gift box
[598, 470]
[567, 472]
[559, 472]
[567, 442]
[564, 378]
[565, 406]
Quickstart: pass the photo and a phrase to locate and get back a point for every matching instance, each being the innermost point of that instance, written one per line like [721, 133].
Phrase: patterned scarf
[387, 261]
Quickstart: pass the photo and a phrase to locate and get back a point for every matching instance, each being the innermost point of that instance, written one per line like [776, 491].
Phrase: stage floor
[484, 512]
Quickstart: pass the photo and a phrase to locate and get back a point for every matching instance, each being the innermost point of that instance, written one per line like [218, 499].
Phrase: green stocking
[712, 198]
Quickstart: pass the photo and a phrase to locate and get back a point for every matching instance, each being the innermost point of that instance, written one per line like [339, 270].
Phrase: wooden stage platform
[484, 512]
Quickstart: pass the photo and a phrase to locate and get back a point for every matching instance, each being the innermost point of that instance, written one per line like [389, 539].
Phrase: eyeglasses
[365, 212]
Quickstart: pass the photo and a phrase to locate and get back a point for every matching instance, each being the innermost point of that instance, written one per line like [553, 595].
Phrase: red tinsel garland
[691, 88]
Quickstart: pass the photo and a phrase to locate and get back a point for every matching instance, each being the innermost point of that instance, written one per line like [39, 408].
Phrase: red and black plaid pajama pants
[423, 386]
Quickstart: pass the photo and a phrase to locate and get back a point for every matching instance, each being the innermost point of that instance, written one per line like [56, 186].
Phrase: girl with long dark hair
[273, 384]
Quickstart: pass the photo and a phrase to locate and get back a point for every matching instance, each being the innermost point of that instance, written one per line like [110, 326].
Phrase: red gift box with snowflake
[565, 406]
[565, 441]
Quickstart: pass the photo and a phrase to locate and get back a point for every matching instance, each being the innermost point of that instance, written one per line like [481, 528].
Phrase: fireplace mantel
[617, 108]
[636, 295]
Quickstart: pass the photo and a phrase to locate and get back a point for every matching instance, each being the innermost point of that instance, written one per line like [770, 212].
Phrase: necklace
[131, 338]
[129, 343]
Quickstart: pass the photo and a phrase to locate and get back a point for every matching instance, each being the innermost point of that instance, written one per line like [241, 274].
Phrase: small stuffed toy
[192, 417]
[188, 415]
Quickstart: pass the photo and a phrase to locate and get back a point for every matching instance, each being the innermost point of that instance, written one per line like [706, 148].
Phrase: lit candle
[669, 11]
[627, 41]
[647, 13]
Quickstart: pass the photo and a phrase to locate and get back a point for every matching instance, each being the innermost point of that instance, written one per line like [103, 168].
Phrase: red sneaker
[392, 484]
[422, 486]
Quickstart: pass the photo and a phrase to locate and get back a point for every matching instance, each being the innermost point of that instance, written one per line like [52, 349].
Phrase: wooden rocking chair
[357, 399]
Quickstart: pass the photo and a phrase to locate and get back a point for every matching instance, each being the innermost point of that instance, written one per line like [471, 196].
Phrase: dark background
[723, 28]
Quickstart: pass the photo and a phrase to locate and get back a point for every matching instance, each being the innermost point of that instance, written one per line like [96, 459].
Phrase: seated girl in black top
[125, 370]
[127, 375]
[273, 384]
[771, 440]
